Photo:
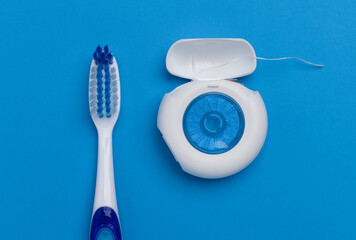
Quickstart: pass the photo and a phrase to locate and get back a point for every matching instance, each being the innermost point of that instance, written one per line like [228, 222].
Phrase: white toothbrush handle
[105, 194]
[105, 221]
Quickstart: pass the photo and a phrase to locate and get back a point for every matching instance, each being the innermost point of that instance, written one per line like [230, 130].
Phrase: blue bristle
[111, 58]
[106, 49]
[99, 89]
[107, 82]
[97, 55]
[106, 52]
[103, 58]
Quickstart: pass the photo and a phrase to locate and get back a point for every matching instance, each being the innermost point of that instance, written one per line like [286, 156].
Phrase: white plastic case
[209, 63]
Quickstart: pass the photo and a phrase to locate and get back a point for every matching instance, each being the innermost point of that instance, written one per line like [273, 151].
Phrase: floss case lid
[211, 59]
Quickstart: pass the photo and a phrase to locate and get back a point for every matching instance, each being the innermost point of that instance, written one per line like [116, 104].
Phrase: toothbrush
[104, 104]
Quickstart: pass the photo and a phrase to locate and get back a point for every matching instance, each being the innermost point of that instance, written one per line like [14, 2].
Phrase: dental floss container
[214, 126]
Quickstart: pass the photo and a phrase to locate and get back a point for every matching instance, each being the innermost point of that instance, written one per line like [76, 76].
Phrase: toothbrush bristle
[103, 83]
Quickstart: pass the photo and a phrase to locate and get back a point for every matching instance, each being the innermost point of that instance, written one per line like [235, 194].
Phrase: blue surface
[302, 185]
[213, 123]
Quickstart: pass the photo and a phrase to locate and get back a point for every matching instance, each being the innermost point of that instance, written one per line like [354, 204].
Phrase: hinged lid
[211, 59]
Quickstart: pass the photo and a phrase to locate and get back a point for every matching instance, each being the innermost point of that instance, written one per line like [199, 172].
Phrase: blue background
[302, 185]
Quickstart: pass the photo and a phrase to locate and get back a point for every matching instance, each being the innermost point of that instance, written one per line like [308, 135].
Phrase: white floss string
[284, 58]
[260, 58]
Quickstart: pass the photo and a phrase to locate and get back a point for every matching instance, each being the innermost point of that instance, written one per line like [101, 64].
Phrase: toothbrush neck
[104, 132]
[105, 195]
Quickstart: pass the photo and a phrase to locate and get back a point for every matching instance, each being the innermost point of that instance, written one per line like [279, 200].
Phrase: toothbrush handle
[105, 194]
[105, 221]
[105, 225]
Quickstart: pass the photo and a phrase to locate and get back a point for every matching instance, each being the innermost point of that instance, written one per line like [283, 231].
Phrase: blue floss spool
[213, 123]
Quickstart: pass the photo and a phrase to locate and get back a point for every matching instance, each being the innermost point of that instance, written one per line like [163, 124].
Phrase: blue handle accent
[105, 225]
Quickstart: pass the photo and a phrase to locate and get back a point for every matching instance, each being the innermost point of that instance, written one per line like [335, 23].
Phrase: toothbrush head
[104, 87]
